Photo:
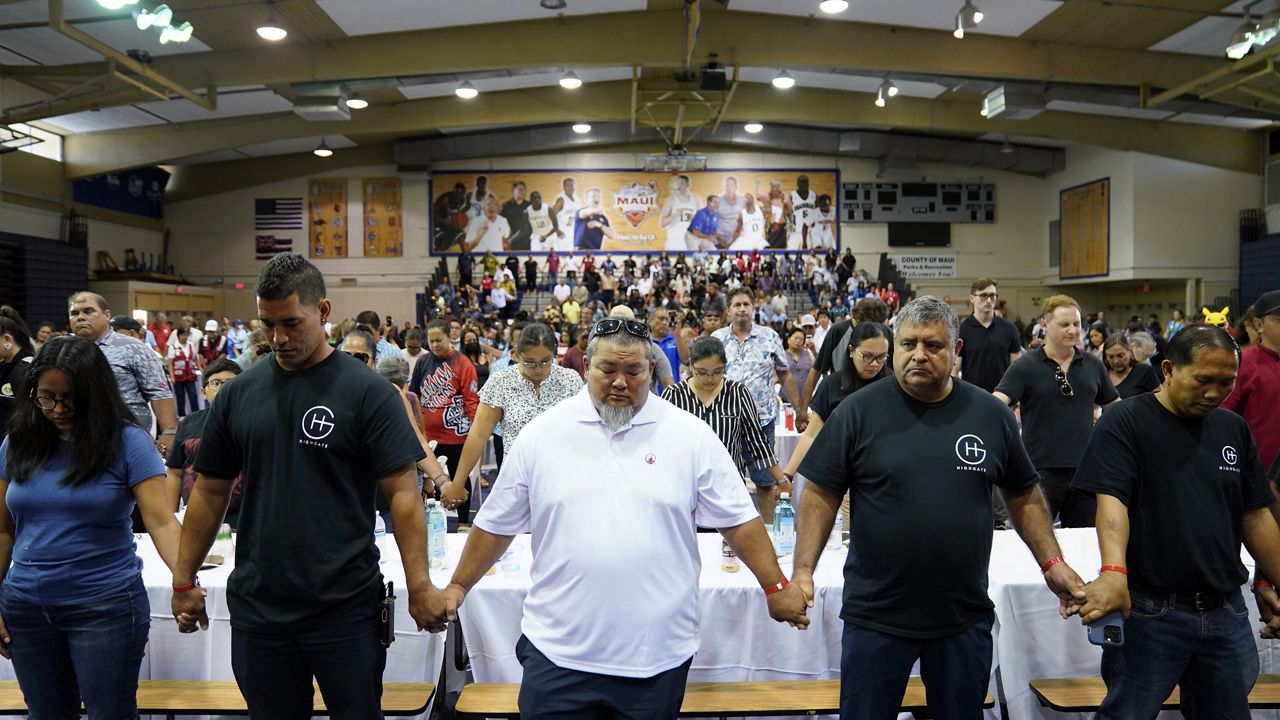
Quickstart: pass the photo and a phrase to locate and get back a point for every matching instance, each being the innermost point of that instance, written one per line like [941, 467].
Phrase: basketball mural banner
[535, 211]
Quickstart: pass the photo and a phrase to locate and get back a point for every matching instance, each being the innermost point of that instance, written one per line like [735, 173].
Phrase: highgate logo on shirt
[317, 424]
[972, 452]
[1231, 457]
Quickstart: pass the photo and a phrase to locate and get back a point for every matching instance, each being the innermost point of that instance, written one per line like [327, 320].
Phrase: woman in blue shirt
[74, 615]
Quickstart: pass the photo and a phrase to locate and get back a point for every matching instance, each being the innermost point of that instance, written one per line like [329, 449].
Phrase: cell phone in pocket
[1107, 630]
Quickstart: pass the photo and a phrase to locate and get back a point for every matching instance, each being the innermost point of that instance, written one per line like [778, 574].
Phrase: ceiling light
[161, 17]
[582, 128]
[890, 90]
[784, 81]
[1269, 26]
[880, 95]
[986, 109]
[1242, 39]
[833, 7]
[179, 34]
[466, 90]
[553, 4]
[323, 150]
[570, 81]
[356, 102]
[116, 4]
[271, 29]
[753, 127]
[967, 19]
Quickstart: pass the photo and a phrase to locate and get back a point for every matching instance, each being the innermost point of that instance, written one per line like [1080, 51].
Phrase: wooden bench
[1086, 694]
[709, 699]
[222, 697]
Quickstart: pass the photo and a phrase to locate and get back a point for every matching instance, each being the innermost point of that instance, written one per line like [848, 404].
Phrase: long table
[206, 655]
[739, 641]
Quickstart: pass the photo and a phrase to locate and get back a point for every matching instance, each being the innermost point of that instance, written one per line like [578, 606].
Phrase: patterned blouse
[513, 393]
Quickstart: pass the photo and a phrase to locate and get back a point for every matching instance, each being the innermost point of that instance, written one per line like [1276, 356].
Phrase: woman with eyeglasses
[360, 345]
[513, 397]
[727, 406]
[870, 359]
[74, 614]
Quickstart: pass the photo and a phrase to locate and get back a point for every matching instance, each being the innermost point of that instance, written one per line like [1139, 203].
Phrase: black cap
[1267, 304]
[124, 322]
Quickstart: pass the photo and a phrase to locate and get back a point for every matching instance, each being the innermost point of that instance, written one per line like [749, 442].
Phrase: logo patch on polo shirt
[650, 459]
[1230, 457]
[972, 452]
[317, 424]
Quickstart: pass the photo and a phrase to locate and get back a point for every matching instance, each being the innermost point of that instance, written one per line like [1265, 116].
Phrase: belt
[1198, 601]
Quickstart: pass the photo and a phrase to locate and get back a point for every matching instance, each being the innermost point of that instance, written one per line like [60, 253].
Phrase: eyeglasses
[1064, 386]
[539, 365]
[216, 383]
[718, 372]
[44, 402]
[611, 326]
[986, 296]
[870, 359]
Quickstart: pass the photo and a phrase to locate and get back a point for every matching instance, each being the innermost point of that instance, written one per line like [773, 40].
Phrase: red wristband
[186, 588]
[1261, 584]
[1050, 563]
[776, 588]
[1114, 568]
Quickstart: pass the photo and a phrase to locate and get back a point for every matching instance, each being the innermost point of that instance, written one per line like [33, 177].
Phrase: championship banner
[327, 217]
[627, 211]
[382, 219]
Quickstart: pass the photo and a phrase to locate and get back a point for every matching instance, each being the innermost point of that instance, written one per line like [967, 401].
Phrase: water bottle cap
[786, 496]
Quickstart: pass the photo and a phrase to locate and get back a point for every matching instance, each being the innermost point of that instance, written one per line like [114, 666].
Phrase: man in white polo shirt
[610, 623]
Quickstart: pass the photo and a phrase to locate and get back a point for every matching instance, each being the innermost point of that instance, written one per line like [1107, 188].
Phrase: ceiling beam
[95, 153]
[655, 39]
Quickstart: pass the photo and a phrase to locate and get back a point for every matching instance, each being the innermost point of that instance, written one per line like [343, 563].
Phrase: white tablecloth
[170, 655]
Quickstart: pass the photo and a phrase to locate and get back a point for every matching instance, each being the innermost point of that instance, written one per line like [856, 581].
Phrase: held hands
[427, 608]
[451, 600]
[789, 605]
[4, 641]
[1269, 610]
[453, 493]
[1067, 585]
[189, 611]
[802, 419]
[1110, 592]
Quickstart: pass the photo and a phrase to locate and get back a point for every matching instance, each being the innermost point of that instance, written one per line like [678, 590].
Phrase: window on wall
[49, 147]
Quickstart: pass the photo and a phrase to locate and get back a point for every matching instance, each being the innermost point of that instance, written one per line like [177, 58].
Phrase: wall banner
[383, 222]
[327, 217]
[630, 210]
[925, 267]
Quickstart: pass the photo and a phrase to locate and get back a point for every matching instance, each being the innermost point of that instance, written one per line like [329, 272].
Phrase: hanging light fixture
[1269, 27]
[753, 127]
[890, 90]
[784, 81]
[466, 90]
[985, 109]
[161, 17]
[833, 7]
[582, 128]
[1242, 39]
[271, 29]
[553, 4]
[322, 150]
[967, 19]
[880, 96]
[357, 102]
[570, 81]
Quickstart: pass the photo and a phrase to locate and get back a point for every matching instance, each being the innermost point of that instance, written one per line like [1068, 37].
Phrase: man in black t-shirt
[1179, 486]
[181, 475]
[514, 211]
[991, 343]
[915, 584]
[1059, 387]
[316, 435]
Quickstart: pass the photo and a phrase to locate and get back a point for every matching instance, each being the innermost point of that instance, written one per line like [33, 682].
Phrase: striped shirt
[732, 415]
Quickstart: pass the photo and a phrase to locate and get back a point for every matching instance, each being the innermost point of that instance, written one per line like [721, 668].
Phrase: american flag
[268, 246]
[277, 214]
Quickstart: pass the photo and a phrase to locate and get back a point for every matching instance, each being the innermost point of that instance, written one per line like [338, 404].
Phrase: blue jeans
[760, 477]
[875, 667]
[1209, 653]
[62, 655]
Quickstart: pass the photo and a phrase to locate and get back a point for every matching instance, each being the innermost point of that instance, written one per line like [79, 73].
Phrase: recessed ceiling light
[570, 81]
[753, 127]
[553, 4]
[784, 81]
[323, 150]
[466, 90]
[833, 7]
[356, 102]
[582, 128]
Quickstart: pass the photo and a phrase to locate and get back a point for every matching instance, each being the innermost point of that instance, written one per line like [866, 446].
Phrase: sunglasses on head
[610, 326]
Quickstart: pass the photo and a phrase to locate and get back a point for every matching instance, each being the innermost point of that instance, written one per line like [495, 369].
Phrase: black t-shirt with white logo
[312, 445]
[921, 517]
[1187, 484]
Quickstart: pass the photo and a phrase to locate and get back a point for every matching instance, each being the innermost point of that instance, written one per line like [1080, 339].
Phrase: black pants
[453, 454]
[1074, 507]
[341, 651]
[548, 691]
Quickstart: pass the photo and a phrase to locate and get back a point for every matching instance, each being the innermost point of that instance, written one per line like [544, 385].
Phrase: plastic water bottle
[836, 540]
[222, 542]
[379, 526]
[784, 525]
[435, 535]
[729, 561]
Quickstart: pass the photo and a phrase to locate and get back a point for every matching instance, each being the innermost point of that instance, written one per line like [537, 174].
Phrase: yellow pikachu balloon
[1216, 318]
